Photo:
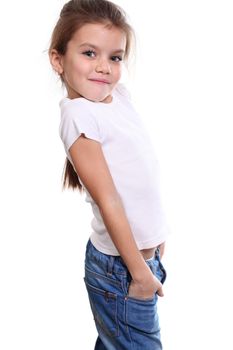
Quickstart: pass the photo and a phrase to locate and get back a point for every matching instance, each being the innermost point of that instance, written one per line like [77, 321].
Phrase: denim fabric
[122, 322]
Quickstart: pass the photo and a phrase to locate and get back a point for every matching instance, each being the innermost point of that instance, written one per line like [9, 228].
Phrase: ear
[56, 61]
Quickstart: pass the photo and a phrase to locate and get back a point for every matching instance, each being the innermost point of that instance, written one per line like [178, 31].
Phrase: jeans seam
[114, 298]
[99, 276]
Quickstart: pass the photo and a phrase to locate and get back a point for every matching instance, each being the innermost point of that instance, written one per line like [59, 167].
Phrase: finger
[160, 292]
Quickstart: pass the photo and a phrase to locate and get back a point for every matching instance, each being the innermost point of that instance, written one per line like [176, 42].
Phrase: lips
[103, 81]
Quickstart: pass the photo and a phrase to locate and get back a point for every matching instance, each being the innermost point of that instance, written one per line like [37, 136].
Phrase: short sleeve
[77, 119]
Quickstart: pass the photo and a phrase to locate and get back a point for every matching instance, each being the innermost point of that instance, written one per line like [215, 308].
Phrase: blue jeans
[122, 322]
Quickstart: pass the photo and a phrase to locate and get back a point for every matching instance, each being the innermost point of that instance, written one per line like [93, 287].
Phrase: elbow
[109, 203]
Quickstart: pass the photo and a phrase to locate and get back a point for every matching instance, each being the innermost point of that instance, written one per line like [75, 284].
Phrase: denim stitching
[102, 277]
[97, 317]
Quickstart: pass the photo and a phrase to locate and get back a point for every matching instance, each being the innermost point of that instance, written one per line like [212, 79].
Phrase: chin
[95, 96]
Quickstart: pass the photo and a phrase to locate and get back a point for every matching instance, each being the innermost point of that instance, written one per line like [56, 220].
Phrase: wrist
[141, 274]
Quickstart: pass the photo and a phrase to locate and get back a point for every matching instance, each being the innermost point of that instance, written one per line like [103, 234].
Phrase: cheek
[69, 68]
[117, 71]
[75, 66]
[83, 70]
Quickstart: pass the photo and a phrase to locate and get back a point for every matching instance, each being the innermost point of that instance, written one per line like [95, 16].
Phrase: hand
[146, 288]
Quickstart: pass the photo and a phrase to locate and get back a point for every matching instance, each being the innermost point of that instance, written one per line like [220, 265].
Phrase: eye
[89, 53]
[116, 58]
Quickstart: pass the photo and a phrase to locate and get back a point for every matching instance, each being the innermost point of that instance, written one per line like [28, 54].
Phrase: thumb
[160, 292]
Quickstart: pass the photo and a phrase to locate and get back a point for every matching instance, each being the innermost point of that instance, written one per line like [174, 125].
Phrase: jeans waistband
[113, 263]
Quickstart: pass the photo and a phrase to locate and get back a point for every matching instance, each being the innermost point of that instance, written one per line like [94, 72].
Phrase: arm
[90, 164]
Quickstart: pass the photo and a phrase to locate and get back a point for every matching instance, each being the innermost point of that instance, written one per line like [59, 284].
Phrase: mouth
[100, 81]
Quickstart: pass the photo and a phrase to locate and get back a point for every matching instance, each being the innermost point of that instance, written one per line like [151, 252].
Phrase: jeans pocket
[129, 280]
[104, 308]
[137, 298]
[142, 315]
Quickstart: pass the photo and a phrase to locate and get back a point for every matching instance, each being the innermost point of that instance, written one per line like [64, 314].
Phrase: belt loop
[110, 265]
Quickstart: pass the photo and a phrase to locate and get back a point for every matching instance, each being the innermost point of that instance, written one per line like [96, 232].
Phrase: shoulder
[75, 109]
[67, 104]
[77, 118]
[77, 113]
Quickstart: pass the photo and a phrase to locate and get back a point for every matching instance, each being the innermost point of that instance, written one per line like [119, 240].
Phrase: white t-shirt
[131, 160]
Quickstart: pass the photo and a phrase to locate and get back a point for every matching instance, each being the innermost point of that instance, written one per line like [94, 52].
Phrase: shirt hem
[141, 245]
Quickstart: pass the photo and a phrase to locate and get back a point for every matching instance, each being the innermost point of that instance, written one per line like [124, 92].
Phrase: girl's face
[92, 64]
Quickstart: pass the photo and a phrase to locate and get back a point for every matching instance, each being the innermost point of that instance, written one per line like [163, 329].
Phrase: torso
[148, 253]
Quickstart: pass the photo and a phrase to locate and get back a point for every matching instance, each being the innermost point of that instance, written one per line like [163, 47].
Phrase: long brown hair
[73, 16]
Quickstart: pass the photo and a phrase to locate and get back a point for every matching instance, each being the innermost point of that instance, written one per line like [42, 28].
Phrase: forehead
[100, 35]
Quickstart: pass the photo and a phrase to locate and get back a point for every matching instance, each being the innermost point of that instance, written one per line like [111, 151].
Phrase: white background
[182, 84]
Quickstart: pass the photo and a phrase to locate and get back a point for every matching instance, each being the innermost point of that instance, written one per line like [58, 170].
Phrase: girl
[110, 157]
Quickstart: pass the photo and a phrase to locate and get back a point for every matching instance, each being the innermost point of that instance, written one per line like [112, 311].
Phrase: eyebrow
[95, 47]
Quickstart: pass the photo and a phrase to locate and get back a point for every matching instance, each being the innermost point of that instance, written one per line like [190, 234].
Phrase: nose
[103, 66]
